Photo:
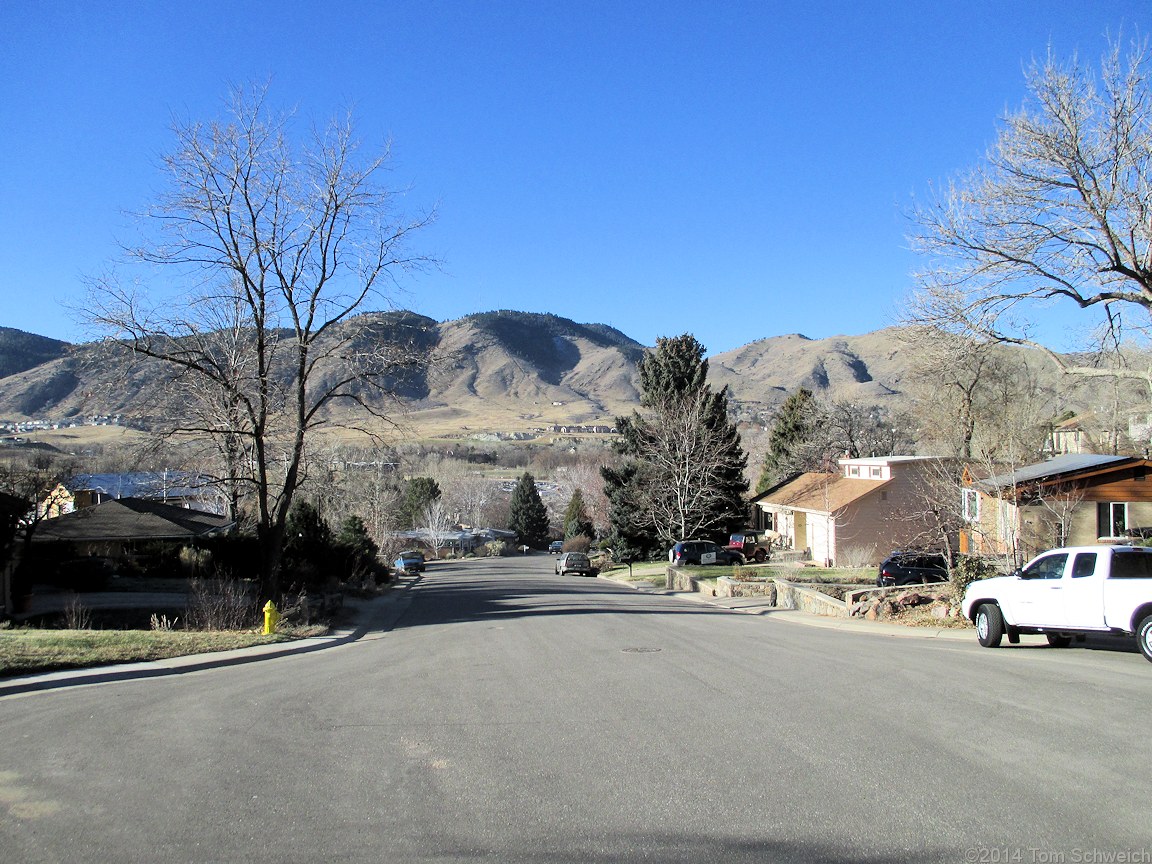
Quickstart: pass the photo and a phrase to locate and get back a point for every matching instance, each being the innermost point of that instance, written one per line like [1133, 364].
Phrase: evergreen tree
[683, 472]
[630, 536]
[576, 520]
[418, 494]
[527, 515]
[788, 443]
[354, 537]
[308, 544]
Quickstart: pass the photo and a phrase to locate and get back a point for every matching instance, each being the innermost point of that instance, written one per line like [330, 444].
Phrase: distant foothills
[494, 374]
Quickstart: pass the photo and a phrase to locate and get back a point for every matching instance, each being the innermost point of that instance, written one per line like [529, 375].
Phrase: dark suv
[702, 552]
[912, 568]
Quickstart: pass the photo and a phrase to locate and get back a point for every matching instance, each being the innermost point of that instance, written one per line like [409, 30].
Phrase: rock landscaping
[928, 605]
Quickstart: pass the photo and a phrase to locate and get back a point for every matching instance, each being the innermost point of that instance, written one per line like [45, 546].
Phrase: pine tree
[354, 537]
[418, 494]
[792, 431]
[576, 520]
[527, 515]
[683, 472]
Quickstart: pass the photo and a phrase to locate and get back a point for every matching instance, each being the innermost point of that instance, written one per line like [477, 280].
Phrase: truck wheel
[989, 625]
[759, 556]
[1058, 640]
[1144, 637]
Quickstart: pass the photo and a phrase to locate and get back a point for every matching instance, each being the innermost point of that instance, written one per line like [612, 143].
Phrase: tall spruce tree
[527, 515]
[683, 471]
[788, 443]
[576, 520]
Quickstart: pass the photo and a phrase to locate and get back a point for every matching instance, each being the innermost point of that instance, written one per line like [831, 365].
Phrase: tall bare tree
[275, 247]
[1057, 213]
[974, 399]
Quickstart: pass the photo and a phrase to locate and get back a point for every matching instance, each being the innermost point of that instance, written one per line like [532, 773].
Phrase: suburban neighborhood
[523, 433]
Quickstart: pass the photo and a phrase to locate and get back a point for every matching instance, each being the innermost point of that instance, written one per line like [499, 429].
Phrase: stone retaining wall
[789, 595]
[781, 593]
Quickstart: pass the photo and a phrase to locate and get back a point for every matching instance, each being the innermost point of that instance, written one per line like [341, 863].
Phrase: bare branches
[1057, 212]
[276, 249]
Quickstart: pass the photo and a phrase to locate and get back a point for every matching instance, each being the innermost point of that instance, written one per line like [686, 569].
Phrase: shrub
[194, 562]
[747, 574]
[857, 556]
[497, 549]
[969, 569]
[220, 604]
[578, 543]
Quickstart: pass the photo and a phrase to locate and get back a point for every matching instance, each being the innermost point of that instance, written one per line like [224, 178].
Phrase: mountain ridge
[489, 371]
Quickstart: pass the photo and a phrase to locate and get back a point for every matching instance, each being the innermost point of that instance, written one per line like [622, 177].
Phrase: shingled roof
[131, 519]
[820, 492]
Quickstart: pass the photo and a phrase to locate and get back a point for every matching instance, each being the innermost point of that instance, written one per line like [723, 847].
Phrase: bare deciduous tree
[277, 249]
[972, 399]
[436, 522]
[1056, 213]
[679, 453]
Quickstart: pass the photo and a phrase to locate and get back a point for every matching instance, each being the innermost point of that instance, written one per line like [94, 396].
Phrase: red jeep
[751, 545]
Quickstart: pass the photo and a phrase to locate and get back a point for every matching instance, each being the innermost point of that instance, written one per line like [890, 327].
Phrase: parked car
[912, 568]
[574, 562]
[751, 545]
[1067, 594]
[410, 562]
[555, 547]
[702, 552]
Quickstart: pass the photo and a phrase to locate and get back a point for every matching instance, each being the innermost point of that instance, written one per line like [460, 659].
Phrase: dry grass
[921, 616]
[28, 651]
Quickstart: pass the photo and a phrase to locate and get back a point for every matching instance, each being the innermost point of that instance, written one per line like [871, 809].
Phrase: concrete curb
[377, 615]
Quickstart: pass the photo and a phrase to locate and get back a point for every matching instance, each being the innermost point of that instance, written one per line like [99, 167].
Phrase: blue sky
[737, 170]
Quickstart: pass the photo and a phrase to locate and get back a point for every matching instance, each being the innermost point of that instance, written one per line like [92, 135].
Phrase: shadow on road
[455, 593]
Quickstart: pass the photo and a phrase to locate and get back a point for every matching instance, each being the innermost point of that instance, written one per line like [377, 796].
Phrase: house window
[876, 472]
[1111, 519]
[853, 471]
[970, 509]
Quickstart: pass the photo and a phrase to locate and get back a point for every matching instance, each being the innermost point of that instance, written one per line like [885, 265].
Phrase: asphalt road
[510, 715]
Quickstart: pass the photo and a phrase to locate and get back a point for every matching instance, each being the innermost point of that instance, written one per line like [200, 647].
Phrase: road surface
[511, 715]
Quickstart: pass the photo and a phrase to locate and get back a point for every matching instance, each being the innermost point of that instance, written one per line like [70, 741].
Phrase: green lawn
[25, 651]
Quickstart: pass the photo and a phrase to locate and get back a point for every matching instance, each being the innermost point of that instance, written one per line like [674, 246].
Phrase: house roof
[820, 492]
[1059, 466]
[131, 519]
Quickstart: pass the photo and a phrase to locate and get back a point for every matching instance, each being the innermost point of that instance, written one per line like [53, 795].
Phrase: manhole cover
[642, 650]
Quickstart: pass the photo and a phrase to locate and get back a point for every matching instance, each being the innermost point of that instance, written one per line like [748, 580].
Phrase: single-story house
[112, 524]
[860, 513]
[177, 488]
[1072, 499]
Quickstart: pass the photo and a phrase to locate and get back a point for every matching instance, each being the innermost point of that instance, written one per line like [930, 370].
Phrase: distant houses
[175, 488]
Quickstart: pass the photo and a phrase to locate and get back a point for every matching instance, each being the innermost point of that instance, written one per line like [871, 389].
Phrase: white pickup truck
[1066, 594]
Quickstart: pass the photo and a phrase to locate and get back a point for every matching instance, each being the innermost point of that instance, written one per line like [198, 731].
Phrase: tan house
[859, 514]
[1070, 500]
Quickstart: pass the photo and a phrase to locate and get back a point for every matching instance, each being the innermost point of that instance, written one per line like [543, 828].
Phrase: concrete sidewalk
[356, 619]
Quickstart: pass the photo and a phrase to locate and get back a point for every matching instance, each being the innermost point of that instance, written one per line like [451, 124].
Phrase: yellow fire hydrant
[271, 618]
